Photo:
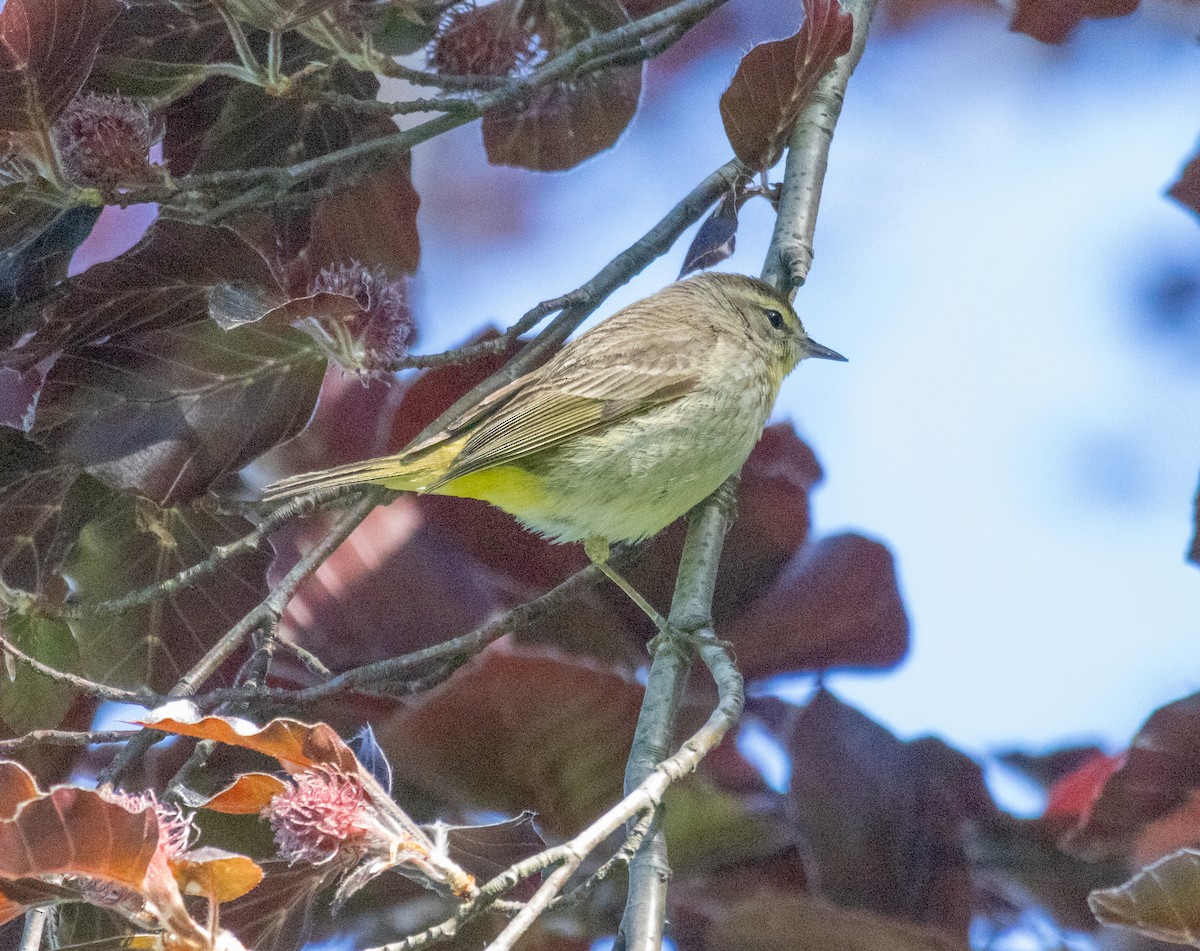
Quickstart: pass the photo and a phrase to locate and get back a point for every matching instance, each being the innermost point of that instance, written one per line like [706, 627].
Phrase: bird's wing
[580, 390]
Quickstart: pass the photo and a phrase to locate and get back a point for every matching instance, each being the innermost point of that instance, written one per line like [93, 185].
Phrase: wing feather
[573, 399]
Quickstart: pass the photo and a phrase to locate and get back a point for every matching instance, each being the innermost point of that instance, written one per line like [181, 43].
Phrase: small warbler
[628, 427]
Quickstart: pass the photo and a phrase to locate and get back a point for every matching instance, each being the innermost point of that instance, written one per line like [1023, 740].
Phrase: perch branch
[790, 254]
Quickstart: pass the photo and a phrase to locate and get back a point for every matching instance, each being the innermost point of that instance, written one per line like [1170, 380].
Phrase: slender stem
[571, 63]
[791, 252]
[240, 43]
[82, 684]
[275, 79]
[691, 612]
[160, 589]
[64, 738]
[645, 800]
[452, 653]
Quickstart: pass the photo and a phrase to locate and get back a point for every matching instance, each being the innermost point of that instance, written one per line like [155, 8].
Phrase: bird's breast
[635, 477]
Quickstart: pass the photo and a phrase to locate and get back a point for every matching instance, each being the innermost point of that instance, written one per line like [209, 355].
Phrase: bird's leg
[597, 551]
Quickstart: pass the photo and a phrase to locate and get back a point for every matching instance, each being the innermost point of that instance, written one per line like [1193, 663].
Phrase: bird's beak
[814, 349]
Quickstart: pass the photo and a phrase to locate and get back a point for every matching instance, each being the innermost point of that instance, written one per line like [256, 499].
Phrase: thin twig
[373, 107]
[64, 738]
[160, 589]
[82, 684]
[791, 252]
[264, 179]
[691, 611]
[452, 653]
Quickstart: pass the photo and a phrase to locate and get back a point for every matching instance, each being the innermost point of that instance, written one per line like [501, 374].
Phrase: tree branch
[645, 799]
[788, 259]
[790, 254]
[691, 614]
[63, 738]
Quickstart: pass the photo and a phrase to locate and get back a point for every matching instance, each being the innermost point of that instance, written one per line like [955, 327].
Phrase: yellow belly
[506, 487]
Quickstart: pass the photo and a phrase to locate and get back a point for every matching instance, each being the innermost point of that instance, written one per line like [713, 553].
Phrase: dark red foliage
[878, 827]
[1052, 21]
[146, 392]
[1159, 774]
[716, 239]
[837, 604]
[557, 126]
[46, 51]
[774, 81]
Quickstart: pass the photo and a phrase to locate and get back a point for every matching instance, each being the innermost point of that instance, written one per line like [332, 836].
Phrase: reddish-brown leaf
[1073, 796]
[836, 604]
[716, 239]
[394, 586]
[1052, 21]
[276, 915]
[78, 832]
[559, 126]
[36, 244]
[1186, 191]
[216, 874]
[556, 128]
[147, 392]
[372, 219]
[878, 826]
[487, 850]
[1160, 773]
[248, 795]
[17, 785]
[774, 81]
[298, 746]
[1161, 901]
[517, 729]
[43, 504]
[157, 53]
[46, 52]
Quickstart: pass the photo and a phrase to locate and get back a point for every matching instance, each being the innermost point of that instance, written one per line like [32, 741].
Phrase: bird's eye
[775, 318]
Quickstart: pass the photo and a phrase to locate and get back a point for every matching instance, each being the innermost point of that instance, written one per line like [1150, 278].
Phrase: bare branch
[35, 924]
[82, 684]
[691, 614]
[449, 654]
[64, 738]
[791, 252]
[644, 800]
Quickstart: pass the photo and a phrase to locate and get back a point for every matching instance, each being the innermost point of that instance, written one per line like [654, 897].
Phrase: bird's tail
[406, 472]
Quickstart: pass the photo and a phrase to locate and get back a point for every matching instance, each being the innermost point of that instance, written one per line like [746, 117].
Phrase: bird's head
[766, 318]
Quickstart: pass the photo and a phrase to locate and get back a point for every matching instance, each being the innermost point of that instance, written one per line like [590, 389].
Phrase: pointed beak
[814, 349]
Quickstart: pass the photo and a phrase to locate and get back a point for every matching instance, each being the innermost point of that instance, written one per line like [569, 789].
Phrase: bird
[628, 427]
